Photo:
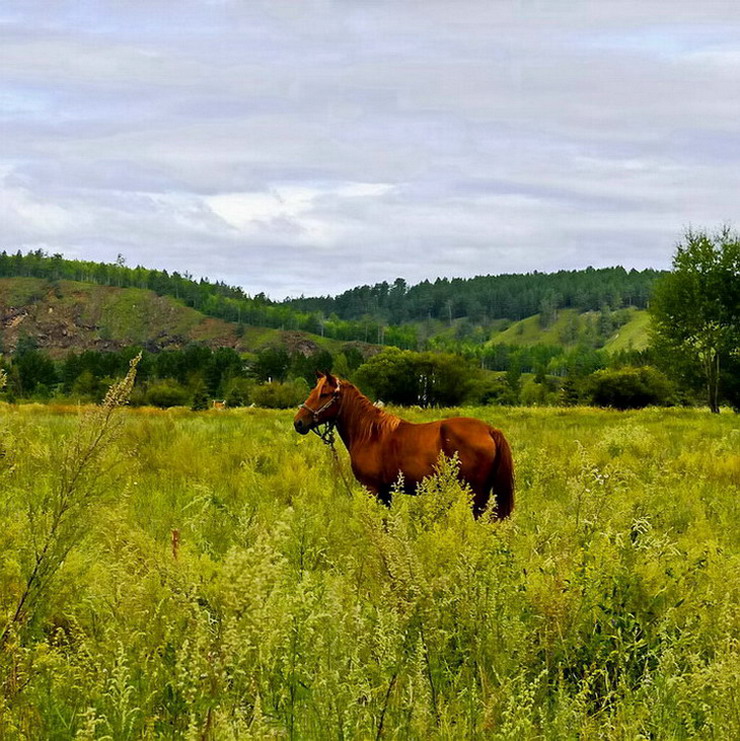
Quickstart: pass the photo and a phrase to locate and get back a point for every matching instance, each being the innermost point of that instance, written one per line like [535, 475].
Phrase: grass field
[285, 606]
[635, 335]
[632, 335]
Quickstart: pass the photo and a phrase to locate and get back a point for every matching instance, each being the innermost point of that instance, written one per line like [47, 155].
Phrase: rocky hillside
[67, 315]
[63, 315]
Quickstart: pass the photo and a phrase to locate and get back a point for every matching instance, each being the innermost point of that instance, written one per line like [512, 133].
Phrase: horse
[383, 447]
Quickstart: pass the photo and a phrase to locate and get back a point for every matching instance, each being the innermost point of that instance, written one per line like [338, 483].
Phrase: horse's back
[485, 461]
[466, 431]
[471, 440]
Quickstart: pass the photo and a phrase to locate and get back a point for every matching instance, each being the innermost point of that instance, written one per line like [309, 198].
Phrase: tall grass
[228, 586]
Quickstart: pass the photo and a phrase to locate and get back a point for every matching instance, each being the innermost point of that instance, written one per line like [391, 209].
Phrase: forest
[489, 297]
[382, 313]
[449, 345]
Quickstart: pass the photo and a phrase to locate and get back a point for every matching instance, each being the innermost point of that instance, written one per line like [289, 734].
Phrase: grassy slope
[608, 608]
[528, 331]
[79, 316]
[633, 334]
[84, 315]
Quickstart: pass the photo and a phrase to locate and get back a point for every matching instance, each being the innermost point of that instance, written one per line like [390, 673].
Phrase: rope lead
[326, 432]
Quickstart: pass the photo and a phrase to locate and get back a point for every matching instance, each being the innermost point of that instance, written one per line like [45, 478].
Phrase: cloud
[255, 142]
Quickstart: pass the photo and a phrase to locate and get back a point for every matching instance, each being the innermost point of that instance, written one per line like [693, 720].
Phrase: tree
[630, 388]
[34, 369]
[200, 398]
[167, 393]
[406, 377]
[548, 309]
[391, 376]
[272, 363]
[305, 366]
[696, 308]
[277, 395]
[514, 376]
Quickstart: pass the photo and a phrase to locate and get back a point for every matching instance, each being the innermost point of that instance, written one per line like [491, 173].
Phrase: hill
[489, 297]
[73, 304]
[634, 335]
[383, 313]
[63, 315]
[571, 327]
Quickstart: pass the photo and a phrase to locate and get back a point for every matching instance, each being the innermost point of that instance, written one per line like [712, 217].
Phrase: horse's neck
[359, 420]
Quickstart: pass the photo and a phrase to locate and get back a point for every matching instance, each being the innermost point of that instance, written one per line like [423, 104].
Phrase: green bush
[426, 379]
[630, 388]
[167, 394]
[488, 388]
[538, 394]
[200, 400]
[276, 395]
[239, 392]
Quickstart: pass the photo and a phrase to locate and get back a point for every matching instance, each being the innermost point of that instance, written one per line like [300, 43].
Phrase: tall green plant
[55, 513]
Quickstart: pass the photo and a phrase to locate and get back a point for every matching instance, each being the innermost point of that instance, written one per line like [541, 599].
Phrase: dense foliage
[426, 379]
[490, 296]
[215, 580]
[466, 346]
[696, 310]
[196, 376]
[630, 388]
[382, 313]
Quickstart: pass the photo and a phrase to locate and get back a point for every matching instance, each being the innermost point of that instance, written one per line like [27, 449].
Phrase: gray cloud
[308, 147]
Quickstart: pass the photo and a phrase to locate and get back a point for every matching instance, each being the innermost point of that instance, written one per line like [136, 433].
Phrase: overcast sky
[309, 146]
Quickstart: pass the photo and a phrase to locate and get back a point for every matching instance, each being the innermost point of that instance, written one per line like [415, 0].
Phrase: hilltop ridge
[74, 304]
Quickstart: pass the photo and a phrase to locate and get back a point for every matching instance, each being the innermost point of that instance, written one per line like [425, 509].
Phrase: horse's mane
[366, 421]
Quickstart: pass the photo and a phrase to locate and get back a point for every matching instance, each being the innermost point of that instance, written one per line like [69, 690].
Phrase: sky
[309, 146]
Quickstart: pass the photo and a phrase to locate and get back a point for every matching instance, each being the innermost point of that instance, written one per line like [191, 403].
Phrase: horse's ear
[320, 374]
[331, 379]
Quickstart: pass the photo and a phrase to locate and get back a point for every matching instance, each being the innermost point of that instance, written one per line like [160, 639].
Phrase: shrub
[630, 388]
[406, 377]
[200, 400]
[488, 389]
[538, 394]
[239, 392]
[167, 394]
[276, 395]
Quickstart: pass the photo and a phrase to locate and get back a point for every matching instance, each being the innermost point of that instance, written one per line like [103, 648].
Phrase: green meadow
[180, 575]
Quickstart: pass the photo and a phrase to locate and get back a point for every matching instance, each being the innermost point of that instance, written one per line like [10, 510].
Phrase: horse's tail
[502, 476]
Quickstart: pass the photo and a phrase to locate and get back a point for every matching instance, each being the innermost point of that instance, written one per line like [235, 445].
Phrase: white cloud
[246, 141]
[293, 212]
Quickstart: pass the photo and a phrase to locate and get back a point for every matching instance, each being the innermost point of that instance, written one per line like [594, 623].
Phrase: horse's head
[322, 404]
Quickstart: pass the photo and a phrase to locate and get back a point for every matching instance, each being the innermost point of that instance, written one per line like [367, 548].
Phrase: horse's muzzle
[301, 427]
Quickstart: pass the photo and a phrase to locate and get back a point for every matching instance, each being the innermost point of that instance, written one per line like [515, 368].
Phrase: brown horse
[381, 446]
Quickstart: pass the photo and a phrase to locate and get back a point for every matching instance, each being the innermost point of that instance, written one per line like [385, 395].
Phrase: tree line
[694, 352]
[383, 314]
[489, 297]
[196, 376]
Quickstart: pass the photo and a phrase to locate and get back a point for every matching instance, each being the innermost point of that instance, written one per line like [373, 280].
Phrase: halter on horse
[327, 433]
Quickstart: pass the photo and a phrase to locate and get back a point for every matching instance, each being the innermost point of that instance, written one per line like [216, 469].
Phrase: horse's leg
[481, 495]
[384, 495]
